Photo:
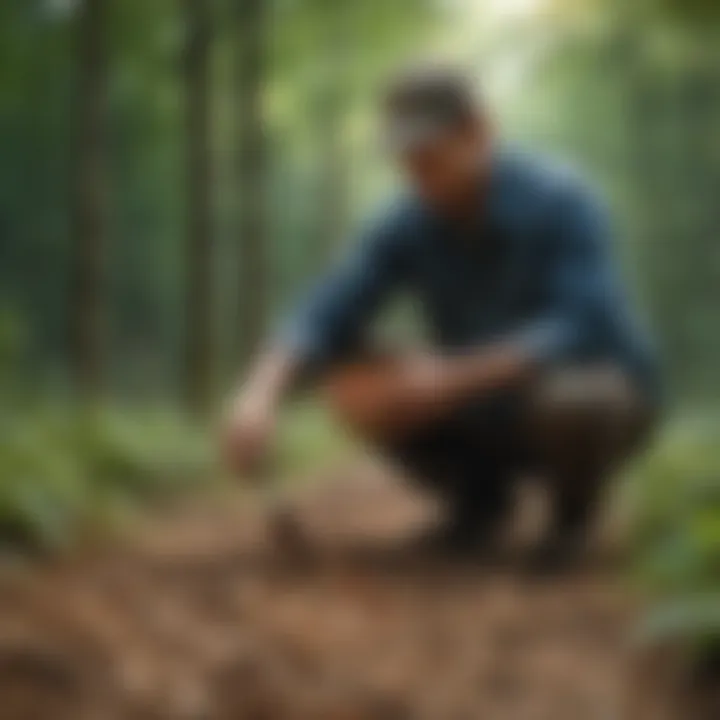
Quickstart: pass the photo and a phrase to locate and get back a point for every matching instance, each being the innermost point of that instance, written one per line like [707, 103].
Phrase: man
[537, 365]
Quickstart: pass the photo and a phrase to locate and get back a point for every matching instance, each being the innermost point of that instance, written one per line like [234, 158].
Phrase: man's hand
[248, 433]
[251, 421]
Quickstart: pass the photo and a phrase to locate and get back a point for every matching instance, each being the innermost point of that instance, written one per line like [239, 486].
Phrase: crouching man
[537, 364]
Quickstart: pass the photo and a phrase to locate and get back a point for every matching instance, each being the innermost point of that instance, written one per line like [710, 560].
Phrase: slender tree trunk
[251, 175]
[334, 180]
[199, 355]
[88, 282]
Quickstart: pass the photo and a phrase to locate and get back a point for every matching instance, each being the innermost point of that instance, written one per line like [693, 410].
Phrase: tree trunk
[88, 282]
[334, 186]
[199, 355]
[332, 106]
[251, 176]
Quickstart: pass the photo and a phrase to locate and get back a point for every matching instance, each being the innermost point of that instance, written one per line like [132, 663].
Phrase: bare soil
[231, 609]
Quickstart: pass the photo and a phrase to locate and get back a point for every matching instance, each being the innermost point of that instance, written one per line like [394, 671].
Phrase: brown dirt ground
[204, 615]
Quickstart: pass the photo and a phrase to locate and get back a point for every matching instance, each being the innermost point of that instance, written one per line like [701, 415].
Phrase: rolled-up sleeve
[578, 280]
[348, 298]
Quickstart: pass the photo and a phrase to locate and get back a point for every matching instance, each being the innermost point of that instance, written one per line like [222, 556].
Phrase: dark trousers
[571, 427]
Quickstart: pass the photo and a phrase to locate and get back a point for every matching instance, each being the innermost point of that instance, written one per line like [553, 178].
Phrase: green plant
[678, 534]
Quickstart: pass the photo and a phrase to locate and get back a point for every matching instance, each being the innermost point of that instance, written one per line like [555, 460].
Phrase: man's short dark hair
[424, 101]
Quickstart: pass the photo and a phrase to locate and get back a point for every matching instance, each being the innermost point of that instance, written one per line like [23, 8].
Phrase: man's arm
[332, 316]
[580, 286]
[389, 398]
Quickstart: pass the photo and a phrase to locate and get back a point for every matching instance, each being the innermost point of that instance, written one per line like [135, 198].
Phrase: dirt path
[197, 618]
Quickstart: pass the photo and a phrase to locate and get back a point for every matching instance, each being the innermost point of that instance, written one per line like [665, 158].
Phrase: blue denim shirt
[535, 270]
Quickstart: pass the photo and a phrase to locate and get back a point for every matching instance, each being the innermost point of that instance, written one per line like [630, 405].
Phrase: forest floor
[204, 615]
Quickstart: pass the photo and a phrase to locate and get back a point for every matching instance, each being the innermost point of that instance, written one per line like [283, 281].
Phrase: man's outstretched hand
[247, 435]
[251, 421]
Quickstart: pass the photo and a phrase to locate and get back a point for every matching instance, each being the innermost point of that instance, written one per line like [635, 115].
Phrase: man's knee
[586, 421]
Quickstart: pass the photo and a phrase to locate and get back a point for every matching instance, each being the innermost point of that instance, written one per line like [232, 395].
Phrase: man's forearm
[271, 378]
[394, 397]
[449, 381]
[482, 371]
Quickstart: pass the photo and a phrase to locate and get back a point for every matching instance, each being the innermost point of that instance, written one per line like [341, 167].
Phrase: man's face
[445, 170]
